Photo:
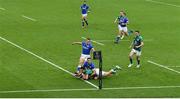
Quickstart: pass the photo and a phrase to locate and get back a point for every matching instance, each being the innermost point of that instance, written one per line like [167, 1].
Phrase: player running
[84, 11]
[87, 47]
[122, 21]
[105, 73]
[136, 49]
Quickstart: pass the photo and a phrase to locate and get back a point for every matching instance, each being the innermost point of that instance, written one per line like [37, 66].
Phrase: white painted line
[90, 89]
[172, 66]
[163, 3]
[50, 90]
[26, 17]
[148, 40]
[2, 8]
[164, 66]
[152, 87]
[44, 60]
[94, 41]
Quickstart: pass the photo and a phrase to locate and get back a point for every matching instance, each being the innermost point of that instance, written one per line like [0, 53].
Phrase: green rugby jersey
[137, 41]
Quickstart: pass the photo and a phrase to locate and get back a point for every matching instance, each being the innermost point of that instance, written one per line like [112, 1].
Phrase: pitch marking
[90, 89]
[148, 40]
[2, 8]
[163, 3]
[163, 66]
[26, 17]
[173, 66]
[44, 59]
[94, 41]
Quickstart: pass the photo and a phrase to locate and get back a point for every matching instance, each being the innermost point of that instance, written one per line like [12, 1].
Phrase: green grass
[58, 25]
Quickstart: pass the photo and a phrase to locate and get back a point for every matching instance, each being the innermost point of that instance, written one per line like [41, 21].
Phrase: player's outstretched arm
[131, 45]
[78, 43]
[115, 21]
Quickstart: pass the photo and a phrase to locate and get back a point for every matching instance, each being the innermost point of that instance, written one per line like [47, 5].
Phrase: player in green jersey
[136, 49]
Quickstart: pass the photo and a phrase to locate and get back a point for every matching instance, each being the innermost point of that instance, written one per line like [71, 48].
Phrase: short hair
[123, 12]
[137, 31]
[88, 58]
[88, 38]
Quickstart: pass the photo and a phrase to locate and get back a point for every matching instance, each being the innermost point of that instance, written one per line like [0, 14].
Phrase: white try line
[163, 3]
[44, 60]
[50, 90]
[26, 17]
[151, 87]
[2, 8]
[94, 41]
[173, 66]
[163, 66]
[148, 40]
[88, 89]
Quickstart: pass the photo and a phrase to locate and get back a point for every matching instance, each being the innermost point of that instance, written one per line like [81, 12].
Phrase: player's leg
[131, 57]
[85, 19]
[125, 30]
[122, 34]
[118, 35]
[87, 73]
[96, 77]
[79, 67]
[82, 20]
[111, 72]
[138, 54]
[107, 74]
[85, 76]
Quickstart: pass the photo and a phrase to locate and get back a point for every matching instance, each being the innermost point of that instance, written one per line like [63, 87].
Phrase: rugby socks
[86, 21]
[131, 61]
[82, 23]
[122, 37]
[138, 61]
[117, 39]
[113, 71]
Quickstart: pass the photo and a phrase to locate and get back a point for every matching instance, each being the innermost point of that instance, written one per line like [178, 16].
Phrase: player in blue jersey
[136, 49]
[87, 69]
[87, 47]
[122, 21]
[84, 12]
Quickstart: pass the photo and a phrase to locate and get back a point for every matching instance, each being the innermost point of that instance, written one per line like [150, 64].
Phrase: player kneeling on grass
[105, 73]
[136, 49]
[86, 70]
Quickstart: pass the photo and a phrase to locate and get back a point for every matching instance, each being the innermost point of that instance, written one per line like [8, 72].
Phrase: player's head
[88, 40]
[84, 3]
[122, 13]
[89, 60]
[137, 32]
